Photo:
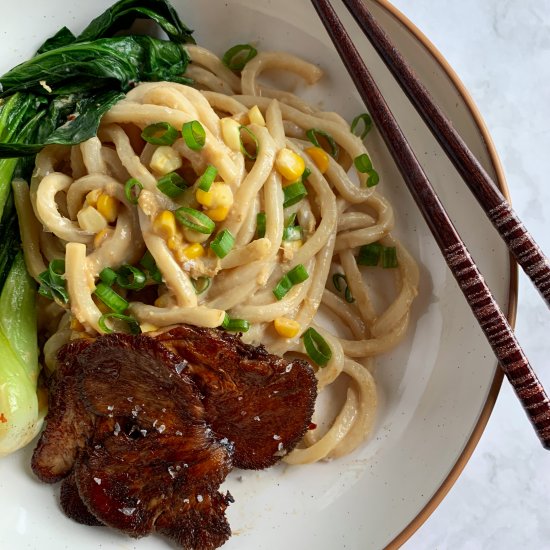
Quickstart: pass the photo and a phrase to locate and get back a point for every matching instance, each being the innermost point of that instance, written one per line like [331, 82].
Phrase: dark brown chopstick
[520, 242]
[492, 321]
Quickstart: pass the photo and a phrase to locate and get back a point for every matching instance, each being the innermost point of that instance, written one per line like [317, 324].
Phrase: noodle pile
[337, 216]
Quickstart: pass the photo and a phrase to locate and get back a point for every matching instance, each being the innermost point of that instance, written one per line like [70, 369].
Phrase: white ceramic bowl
[437, 389]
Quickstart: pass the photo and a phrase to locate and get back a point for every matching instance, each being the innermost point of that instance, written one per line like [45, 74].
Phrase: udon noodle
[339, 214]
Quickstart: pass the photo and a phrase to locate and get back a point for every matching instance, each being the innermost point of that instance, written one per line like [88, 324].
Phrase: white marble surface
[501, 51]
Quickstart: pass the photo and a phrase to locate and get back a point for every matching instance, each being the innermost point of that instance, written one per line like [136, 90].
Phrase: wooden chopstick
[492, 321]
[520, 242]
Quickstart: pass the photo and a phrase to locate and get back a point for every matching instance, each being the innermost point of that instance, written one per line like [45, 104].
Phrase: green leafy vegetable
[20, 412]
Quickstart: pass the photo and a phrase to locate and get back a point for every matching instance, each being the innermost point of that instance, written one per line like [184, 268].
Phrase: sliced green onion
[130, 190]
[292, 233]
[194, 135]
[201, 285]
[290, 220]
[370, 254]
[337, 278]
[293, 193]
[316, 347]
[108, 276]
[306, 174]
[223, 243]
[110, 298]
[131, 277]
[244, 151]
[373, 178]
[195, 220]
[295, 276]
[148, 263]
[298, 274]
[363, 163]
[367, 122]
[172, 185]
[261, 221]
[133, 325]
[238, 56]
[207, 179]
[389, 257]
[161, 133]
[313, 135]
[52, 282]
[235, 325]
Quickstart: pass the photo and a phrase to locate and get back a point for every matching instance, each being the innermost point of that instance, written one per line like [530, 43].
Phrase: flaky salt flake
[257, 418]
[178, 432]
[117, 428]
[127, 511]
[199, 498]
[97, 480]
[289, 367]
[181, 366]
[110, 407]
[161, 428]
[276, 437]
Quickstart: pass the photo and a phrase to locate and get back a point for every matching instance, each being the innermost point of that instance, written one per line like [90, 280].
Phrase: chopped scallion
[261, 221]
[337, 279]
[363, 163]
[207, 179]
[252, 135]
[235, 325]
[293, 193]
[52, 282]
[238, 56]
[370, 254]
[130, 188]
[367, 125]
[306, 174]
[313, 135]
[223, 243]
[292, 233]
[161, 133]
[295, 276]
[172, 185]
[149, 264]
[110, 298]
[108, 276]
[389, 257]
[133, 325]
[131, 277]
[201, 285]
[194, 135]
[373, 178]
[316, 347]
[195, 220]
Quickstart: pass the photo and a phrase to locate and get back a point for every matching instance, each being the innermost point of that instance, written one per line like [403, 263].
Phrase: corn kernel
[220, 194]
[148, 327]
[165, 159]
[107, 206]
[255, 116]
[290, 165]
[231, 133]
[218, 214]
[194, 251]
[319, 157]
[165, 225]
[92, 196]
[102, 236]
[91, 220]
[174, 242]
[287, 328]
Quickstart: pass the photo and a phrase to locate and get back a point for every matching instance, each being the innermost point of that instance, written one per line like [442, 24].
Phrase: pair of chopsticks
[492, 321]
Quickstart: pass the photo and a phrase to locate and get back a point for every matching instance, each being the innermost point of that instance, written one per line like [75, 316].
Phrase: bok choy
[59, 97]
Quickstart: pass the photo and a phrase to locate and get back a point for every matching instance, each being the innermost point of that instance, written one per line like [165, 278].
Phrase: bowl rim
[511, 312]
